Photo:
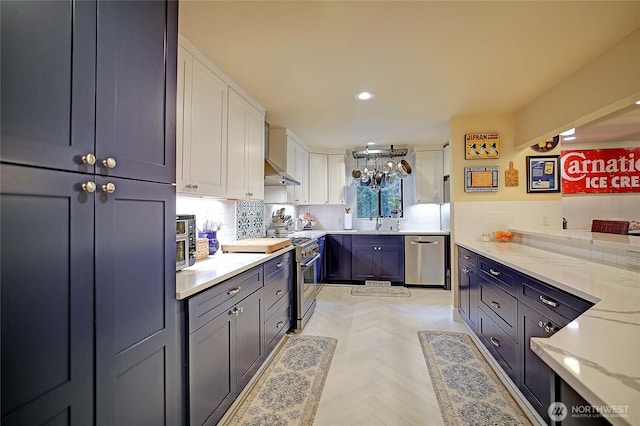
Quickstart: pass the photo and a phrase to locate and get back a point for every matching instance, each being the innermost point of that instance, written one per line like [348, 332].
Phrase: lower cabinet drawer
[273, 294]
[500, 306]
[501, 346]
[276, 326]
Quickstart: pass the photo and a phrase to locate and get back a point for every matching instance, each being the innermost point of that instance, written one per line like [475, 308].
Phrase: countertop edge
[184, 294]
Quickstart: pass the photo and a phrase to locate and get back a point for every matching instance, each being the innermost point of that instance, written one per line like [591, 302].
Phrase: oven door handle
[310, 262]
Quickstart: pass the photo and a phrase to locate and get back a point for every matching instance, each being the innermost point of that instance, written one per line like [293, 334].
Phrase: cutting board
[256, 245]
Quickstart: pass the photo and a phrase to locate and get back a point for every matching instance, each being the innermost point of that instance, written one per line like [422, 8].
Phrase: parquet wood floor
[378, 375]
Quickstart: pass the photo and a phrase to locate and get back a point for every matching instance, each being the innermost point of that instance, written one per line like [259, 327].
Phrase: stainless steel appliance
[307, 287]
[185, 241]
[424, 260]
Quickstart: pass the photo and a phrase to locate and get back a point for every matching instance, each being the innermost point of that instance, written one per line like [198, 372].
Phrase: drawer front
[274, 292]
[500, 306]
[277, 268]
[277, 325]
[549, 299]
[208, 304]
[504, 277]
[467, 256]
[501, 346]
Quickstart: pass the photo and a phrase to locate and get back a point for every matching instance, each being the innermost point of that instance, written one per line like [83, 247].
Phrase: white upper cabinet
[429, 177]
[446, 160]
[336, 171]
[318, 182]
[201, 128]
[245, 152]
[326, 178]
[288, 152]
[220, 132]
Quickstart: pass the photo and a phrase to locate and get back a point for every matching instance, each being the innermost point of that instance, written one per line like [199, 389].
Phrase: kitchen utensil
[356, 173]
[392, 165]
[511, 176]
[405, 166]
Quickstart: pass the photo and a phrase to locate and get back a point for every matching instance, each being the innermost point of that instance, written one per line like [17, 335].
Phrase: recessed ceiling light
[568, 132]
[365, 96]
[371, 143]
[568, 138]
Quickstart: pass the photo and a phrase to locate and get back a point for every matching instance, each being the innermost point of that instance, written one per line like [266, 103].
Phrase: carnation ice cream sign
[591, 171]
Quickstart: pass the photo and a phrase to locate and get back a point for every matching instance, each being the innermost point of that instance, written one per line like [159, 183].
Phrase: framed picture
[481, 146]
[481, 179]
[543, 173]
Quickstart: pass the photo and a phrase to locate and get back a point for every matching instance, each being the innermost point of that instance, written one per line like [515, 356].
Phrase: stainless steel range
[306, 287]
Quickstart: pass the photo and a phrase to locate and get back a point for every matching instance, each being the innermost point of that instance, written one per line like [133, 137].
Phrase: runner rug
[467, 389]
[384, 291]
[289, 389]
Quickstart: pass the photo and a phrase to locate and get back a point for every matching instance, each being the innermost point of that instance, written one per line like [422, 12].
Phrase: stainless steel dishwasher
[424, 260]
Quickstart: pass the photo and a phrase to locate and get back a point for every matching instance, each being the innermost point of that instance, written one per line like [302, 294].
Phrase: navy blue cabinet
[46, 276]
[468, 287]
[89, 336]
[338, 257]
[226, 343]
[377, 257]
[82, 79]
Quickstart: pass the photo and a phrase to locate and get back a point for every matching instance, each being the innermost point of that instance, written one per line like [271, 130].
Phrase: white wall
[217, 210]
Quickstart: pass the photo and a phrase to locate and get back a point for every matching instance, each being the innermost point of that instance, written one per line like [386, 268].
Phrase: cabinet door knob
[109, 162]
[89, 159]
[89, 187]
[549, 328]
[540, 324]
[194, 186]
[109, 188]
[465, 270]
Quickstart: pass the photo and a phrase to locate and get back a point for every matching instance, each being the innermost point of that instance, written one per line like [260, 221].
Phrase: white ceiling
[427, 61]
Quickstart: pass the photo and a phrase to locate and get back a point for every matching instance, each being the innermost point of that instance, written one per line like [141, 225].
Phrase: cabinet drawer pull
[493, 272]
[495, 304]
[234, 291]
[279, 292]
[467, 257]
[279, 265]
[465, 270]
[548, 302]
[495, 342]
[549, 328]
[280, 324]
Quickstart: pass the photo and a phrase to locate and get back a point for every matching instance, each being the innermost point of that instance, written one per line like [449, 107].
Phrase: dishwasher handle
[424, 242]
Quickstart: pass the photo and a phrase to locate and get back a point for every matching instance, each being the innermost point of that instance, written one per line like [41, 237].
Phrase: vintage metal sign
[588, 171]
[481, 145]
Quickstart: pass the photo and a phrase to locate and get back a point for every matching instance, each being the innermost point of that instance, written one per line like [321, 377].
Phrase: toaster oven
[185, 241]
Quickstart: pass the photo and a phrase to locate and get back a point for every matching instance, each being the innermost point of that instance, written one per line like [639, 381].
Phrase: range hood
[275, 176]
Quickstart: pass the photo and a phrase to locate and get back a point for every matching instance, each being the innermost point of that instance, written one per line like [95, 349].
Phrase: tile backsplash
[223, 211]
[249, 219]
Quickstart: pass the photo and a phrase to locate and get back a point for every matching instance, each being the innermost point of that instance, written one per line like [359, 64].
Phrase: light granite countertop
[316, 233]
[218, 268]
[597, 353]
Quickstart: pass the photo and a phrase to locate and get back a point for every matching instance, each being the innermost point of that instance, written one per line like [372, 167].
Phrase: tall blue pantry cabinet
[87, 213]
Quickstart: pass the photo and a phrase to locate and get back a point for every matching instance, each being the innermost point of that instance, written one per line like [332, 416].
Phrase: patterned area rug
[384, 291]
[288, 391]
[467, 389]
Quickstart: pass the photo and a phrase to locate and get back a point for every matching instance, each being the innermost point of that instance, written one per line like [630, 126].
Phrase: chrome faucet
[378, 222]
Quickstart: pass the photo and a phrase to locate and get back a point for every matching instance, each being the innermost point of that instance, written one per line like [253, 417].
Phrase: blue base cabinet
[337, 253]
[505, 309]
[377, 257]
